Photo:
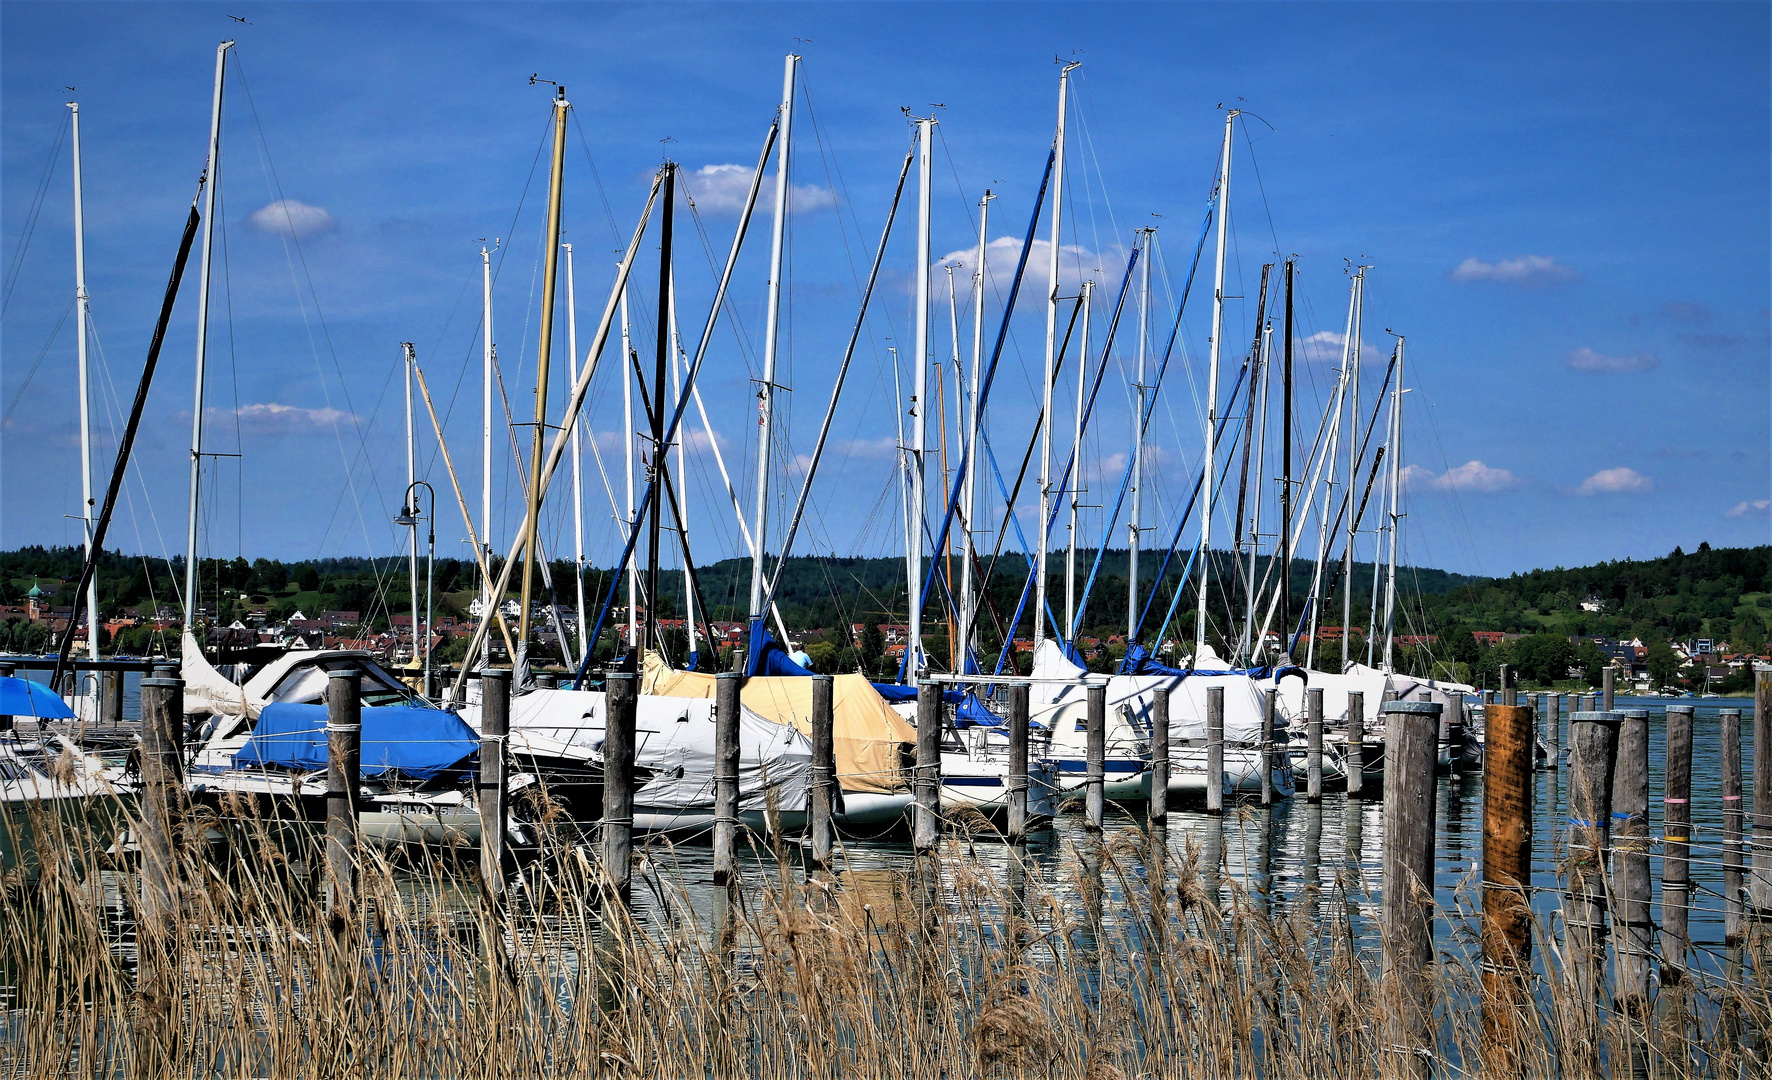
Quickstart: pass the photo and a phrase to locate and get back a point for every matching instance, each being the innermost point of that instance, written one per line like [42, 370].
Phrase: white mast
[1331, 448]
[578, 495]
[1390, 588]
[1261, 358]
[1353, 469]
[407, 359]
[627, 443]
[1076, 491]
[1137, 515]
[680, 499]
[213, 172]
[968, 606]
[80, 302]
[956, 661]
[486, 362]
[766, 391]
[1064, 85]
[1211, 463]
[919, 404]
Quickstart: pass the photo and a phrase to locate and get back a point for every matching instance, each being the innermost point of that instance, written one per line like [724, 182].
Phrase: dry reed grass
[956, 968]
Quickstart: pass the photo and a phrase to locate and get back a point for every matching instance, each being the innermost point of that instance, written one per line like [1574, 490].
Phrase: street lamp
[409, 517]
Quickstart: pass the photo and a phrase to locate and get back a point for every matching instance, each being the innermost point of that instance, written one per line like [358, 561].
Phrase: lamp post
[409, 517]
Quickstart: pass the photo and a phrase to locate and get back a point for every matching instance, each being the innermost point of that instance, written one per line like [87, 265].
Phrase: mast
[627, 430]
[771, 336]
[1224, 213]
[680, 498]
[1286, 473]
[81, 326]
[660, 357]
[1353, 469]
[1396, 452]
[919, 406]
[578, 494]
[1076, 486]
[487, 361]
[956, 654]
[408, 357]
[1046, 493]
[549, 283]
[1136, 514]
[1264, 355]
[213, 172]
[1349, 358]
[968, 605]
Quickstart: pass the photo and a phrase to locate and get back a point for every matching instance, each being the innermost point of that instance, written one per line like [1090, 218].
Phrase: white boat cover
[1368, 681]
[674, 740]
[1062, 704]
[208, 691]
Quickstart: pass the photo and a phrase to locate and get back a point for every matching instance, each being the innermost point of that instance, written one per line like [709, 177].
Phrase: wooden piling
[727, 685]
[1734, 853]
[1510, 694]
[1507, 881]
[1215, 750]
[1630, 869]
[1676, 874]
[1018, 764]
[491, 788]
[1313, 733]
[162, 799]
[1455, 729]
[1410, 729]
[1356, 744]
[926, 825]
[1159, 812]
[1267, 746]
[1095, 782]
[824, 759]
[344, 746]
[623, 704]
[1552, 723]
[1760, 887]
[1607, 697]
[546, 681]
[110, 701]
[1593, 747]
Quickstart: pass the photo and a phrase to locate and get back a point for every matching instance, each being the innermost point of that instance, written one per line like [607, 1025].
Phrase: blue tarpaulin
[414, 742]
[767, 657]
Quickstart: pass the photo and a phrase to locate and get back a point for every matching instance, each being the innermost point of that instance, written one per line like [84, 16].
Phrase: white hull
[1242, 773]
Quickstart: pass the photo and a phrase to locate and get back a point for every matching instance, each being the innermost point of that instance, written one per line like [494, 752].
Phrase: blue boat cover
[766, 655]
[968, 710]
[413, 742]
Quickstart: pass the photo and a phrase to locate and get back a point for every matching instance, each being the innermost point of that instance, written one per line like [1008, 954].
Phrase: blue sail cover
[767, 657]
[968, 710]
[412, 742]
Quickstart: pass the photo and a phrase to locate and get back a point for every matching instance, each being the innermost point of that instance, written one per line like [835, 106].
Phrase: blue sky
[1565, 208]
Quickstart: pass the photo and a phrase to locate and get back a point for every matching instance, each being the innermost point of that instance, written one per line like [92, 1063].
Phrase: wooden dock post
[1734, 853]
[110, 701]
[727, 684]
[1215, 750]
[1267, 745]
[1676, 873]
[1410, 729]
[824, 762]
[1593, 747]
[1607, 697]
[1635, 946]
[1759, 893]
[622, 706]
[491, 788]
[1455, 728]
[926, 824]
[1507, 880]
[546, 681]
[1510, 694]
[1095, 782]
[344, 752]
[1018, 764]
[1356, 744]
[162, 798]
[1552, 723]
[1313, 733]
[1159, 812]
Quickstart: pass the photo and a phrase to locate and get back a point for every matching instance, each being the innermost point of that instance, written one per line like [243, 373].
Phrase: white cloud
[1326, 346]
[1619, 481]
[288, 217]
[1076, 264]
[1587, 360]
[274, 418]
[721, 189]
[1529, 271]
[1757, 507]
[1473, 475]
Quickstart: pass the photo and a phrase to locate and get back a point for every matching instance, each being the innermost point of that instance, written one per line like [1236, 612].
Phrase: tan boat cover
[867, 734]
[208, 690]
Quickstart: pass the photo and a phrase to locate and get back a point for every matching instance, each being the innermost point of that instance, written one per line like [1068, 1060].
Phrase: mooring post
[1630, 848]
[1159, 812]
[491, 790]
[727, 685]
[110, 706]
[1356, 744]
[1510, 694]
[1607, 698]
[1018, 764]
[1734, 855]
[1455, 728]
[1676, 873]
[344, 746]
[1760, 888]
[1095, 781]
[1267, 754]
[1553, 730]
[1215, 750]
[824, 758]
[1507, 880]
[1410, 729]
[163, 788]
[546, 681]
[623, 704]
[1313, 734]
[1593, 747]
[1445, 737]
[926, 825]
